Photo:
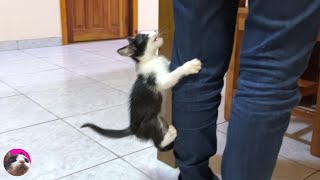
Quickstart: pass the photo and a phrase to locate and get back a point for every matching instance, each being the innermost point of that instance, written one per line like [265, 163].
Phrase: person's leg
[277, 42]
[204, 30]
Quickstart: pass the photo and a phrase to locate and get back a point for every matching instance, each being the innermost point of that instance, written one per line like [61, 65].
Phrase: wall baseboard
[30, 43]
[147, 31]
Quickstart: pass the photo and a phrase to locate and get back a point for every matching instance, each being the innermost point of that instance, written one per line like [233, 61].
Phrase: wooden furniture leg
[166, 25]
[233, 71]
[315, 142]
[232, 74]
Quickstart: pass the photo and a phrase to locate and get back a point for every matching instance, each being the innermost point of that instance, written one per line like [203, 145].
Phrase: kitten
[146, 95]
[16, 165]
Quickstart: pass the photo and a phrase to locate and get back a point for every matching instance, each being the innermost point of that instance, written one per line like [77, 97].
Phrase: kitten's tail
[109, 132]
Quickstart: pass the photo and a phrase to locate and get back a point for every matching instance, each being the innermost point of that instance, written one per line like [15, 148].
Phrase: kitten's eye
[12, 159]
[26, 160]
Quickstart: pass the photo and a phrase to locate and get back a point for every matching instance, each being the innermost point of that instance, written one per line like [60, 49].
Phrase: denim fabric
[277, 42]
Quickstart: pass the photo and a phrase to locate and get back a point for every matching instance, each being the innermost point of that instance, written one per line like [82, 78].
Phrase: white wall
[29, 19]
[148, 11]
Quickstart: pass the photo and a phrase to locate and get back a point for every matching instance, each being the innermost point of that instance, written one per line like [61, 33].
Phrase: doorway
[90, 20]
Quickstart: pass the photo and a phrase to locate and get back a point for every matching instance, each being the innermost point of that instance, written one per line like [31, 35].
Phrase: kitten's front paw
[192, 67]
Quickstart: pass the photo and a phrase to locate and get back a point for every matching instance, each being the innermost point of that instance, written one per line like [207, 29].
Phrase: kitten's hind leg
[164, 135]
[169, 137]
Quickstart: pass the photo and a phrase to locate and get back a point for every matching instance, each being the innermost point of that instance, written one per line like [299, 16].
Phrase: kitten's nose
[21, 161]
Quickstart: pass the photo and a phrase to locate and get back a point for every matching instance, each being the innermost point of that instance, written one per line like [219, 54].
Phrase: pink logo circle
[17, 162]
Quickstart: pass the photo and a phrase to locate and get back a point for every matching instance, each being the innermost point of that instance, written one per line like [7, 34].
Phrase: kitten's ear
[129, 50]
[130, 39]
[7, 157]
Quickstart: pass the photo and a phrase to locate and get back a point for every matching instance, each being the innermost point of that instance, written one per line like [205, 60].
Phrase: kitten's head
[16, 165]
[142, 46]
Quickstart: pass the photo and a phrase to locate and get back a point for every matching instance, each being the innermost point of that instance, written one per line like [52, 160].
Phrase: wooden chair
[309, 107]
[232, 73]
[309, 87]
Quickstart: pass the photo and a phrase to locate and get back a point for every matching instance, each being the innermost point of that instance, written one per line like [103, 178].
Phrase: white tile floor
[47, 93]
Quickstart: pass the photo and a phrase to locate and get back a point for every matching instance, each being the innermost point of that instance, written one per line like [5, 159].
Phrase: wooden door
[97, 19]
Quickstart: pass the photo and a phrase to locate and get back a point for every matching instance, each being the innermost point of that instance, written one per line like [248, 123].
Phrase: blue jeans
[277, 42]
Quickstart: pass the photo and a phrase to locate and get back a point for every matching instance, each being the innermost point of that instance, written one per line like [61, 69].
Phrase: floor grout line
[30, 126]
[81, 114]
[88, 168]
[30, 73]
[41, 105]
[23, 50]
[99, 82]
[296, 162]
[94, 81]
[221, 132]
[218, 123]
[136, 151]
[25, 95]
[101, 144]
[90, 138]
[121, 157]
[31, 100]
[93, 52]
[136, 167]
[10, 96]
[312, 174]
[106, 60]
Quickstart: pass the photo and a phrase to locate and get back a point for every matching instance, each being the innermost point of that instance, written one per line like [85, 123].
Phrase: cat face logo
[18, 164]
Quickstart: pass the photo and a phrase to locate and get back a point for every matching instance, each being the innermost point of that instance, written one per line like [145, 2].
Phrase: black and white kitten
[146, 95]
[16, 165]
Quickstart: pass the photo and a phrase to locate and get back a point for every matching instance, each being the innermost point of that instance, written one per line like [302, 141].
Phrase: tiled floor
[46, 94]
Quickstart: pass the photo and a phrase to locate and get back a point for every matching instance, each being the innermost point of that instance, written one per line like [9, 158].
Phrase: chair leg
[315, 142]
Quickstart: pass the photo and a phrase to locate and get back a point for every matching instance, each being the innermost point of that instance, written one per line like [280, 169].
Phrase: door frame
[133, 21]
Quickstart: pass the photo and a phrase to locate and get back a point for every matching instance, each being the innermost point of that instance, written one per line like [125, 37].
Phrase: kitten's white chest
[158, 65]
